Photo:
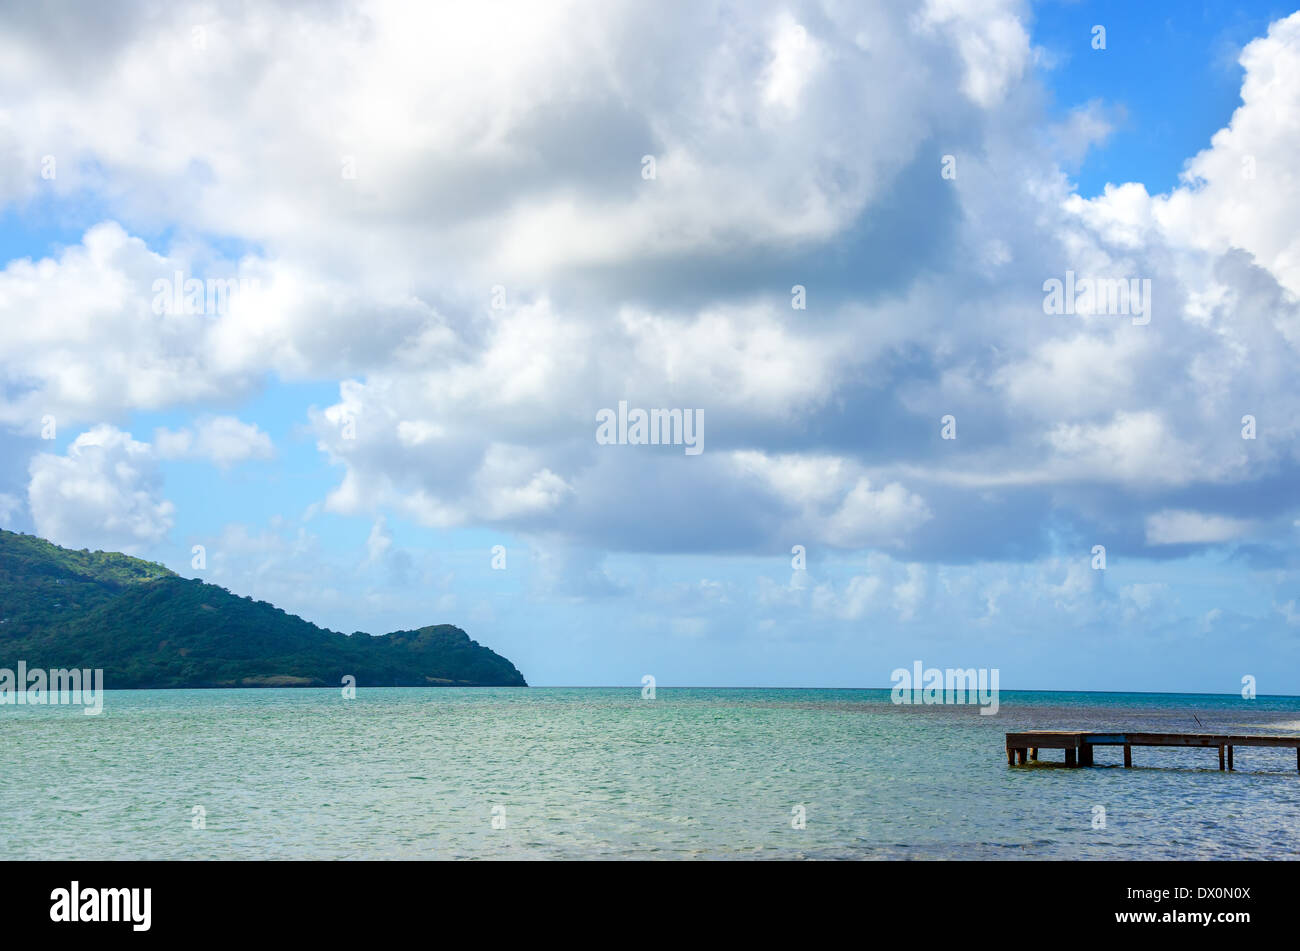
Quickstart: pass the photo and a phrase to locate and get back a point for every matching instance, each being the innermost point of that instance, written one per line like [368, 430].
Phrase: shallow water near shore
[409, 773]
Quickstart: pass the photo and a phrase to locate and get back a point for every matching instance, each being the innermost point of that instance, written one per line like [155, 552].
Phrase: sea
[605, 773]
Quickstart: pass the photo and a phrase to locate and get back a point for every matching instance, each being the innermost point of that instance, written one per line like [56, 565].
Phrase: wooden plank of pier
[1079, 744]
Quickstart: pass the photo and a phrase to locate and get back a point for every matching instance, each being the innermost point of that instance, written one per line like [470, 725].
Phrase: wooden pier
[1078, 744]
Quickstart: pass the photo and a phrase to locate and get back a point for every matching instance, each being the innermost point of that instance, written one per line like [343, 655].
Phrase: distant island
[148, 627]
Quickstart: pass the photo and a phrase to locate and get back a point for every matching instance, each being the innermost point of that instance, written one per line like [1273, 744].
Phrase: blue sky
[452, 257]
[1170, 70]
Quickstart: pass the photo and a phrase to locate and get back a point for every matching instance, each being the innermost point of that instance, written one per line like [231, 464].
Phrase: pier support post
[1079, 746]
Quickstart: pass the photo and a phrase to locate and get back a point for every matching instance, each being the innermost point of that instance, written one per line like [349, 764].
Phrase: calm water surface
[582, 773]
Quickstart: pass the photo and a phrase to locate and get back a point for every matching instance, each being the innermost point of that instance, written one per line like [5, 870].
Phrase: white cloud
[450, 117]
[857, 599]
[835, 502]
[85, 339]
[1242, 191]
[489, 155]
[795, 56]
[82, 341]
[992, 40]
[882, 516]
[223, 440]
[1129, 447]
[104, 493]
[1173, 527]
[1086, 126]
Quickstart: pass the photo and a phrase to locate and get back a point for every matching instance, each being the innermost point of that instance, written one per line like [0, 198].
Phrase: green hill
[148, 627]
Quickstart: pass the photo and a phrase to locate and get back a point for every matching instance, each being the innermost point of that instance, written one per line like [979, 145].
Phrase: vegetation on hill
[148, 627]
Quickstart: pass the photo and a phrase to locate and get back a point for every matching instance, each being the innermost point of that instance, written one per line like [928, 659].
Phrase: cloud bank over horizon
[339, 292]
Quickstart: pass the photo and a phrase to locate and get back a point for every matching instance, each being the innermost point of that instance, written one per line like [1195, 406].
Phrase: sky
[432, 245]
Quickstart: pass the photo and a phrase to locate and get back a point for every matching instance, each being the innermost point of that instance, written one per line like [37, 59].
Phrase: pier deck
[1078, 744]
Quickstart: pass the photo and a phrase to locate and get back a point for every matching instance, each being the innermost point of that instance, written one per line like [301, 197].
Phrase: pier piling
[1078, 745]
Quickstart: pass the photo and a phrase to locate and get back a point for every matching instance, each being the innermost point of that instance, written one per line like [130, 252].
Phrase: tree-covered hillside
[148, 627]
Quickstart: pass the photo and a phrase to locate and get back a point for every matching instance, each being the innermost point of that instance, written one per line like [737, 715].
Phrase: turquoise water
[580, 773]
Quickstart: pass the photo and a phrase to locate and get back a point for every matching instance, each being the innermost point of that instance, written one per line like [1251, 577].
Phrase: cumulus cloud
[991, 38]
[96, 331]
[1241, 191]
[223, 440]
[104, 493]
[82, 340]
[463, 237]
[448, 118]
